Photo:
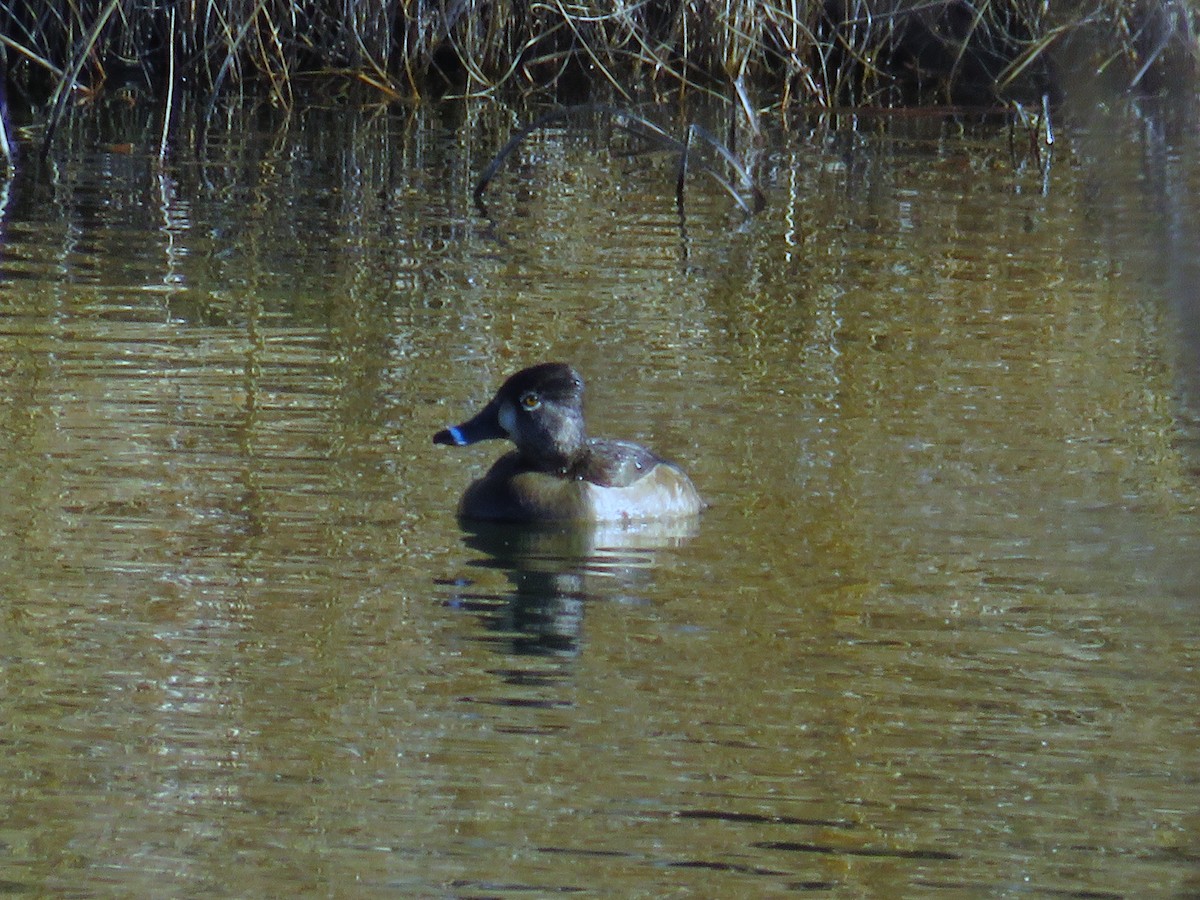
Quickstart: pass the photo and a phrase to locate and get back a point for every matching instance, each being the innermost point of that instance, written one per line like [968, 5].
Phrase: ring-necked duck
[558, 473]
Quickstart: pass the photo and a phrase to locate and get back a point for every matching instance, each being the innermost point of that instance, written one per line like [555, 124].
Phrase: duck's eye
[530, 401]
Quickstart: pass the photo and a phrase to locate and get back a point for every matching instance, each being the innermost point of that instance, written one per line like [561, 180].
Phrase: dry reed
[823, 53]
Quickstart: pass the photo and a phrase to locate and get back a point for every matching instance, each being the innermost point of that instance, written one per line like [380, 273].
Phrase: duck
[557, 473]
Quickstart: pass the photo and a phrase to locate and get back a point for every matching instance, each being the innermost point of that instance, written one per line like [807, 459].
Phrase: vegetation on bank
[817, 54]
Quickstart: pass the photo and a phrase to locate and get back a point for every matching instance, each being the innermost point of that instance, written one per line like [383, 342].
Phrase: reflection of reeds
[642, 127]
[824, 52]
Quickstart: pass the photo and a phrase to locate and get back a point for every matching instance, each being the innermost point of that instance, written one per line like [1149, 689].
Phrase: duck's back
[616, 464]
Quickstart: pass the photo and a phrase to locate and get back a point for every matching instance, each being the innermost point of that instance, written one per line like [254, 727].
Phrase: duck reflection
[554, 571]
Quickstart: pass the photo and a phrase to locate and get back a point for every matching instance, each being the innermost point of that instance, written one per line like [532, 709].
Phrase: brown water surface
[937, 634]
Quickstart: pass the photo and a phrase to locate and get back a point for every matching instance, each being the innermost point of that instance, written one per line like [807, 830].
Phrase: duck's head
[540, 409]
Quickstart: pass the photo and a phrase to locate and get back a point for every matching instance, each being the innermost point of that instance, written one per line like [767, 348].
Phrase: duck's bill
[451, 437]
[484, 427]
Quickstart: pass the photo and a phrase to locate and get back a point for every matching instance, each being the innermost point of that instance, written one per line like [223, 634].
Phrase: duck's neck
[566, 454]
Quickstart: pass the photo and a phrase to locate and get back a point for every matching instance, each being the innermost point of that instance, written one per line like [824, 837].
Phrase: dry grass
[825, 54]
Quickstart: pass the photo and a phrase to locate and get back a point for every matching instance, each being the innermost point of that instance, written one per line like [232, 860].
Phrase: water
[936, 635]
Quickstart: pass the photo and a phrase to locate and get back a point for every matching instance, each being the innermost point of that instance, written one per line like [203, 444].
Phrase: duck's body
[622, 481]
[557, 473]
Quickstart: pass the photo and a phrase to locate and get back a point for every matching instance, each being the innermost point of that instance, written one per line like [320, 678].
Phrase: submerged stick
[681, 173]
[643, 127]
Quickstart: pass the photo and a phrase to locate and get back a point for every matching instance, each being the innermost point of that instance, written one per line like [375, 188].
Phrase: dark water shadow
[553, 571]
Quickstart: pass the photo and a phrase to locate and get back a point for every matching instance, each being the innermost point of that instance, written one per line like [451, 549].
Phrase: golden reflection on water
[936, 633]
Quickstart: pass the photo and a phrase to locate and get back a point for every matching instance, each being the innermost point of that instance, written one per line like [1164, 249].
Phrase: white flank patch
[612, 504]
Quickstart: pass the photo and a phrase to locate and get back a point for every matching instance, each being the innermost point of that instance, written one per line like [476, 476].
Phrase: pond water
[936, 635]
